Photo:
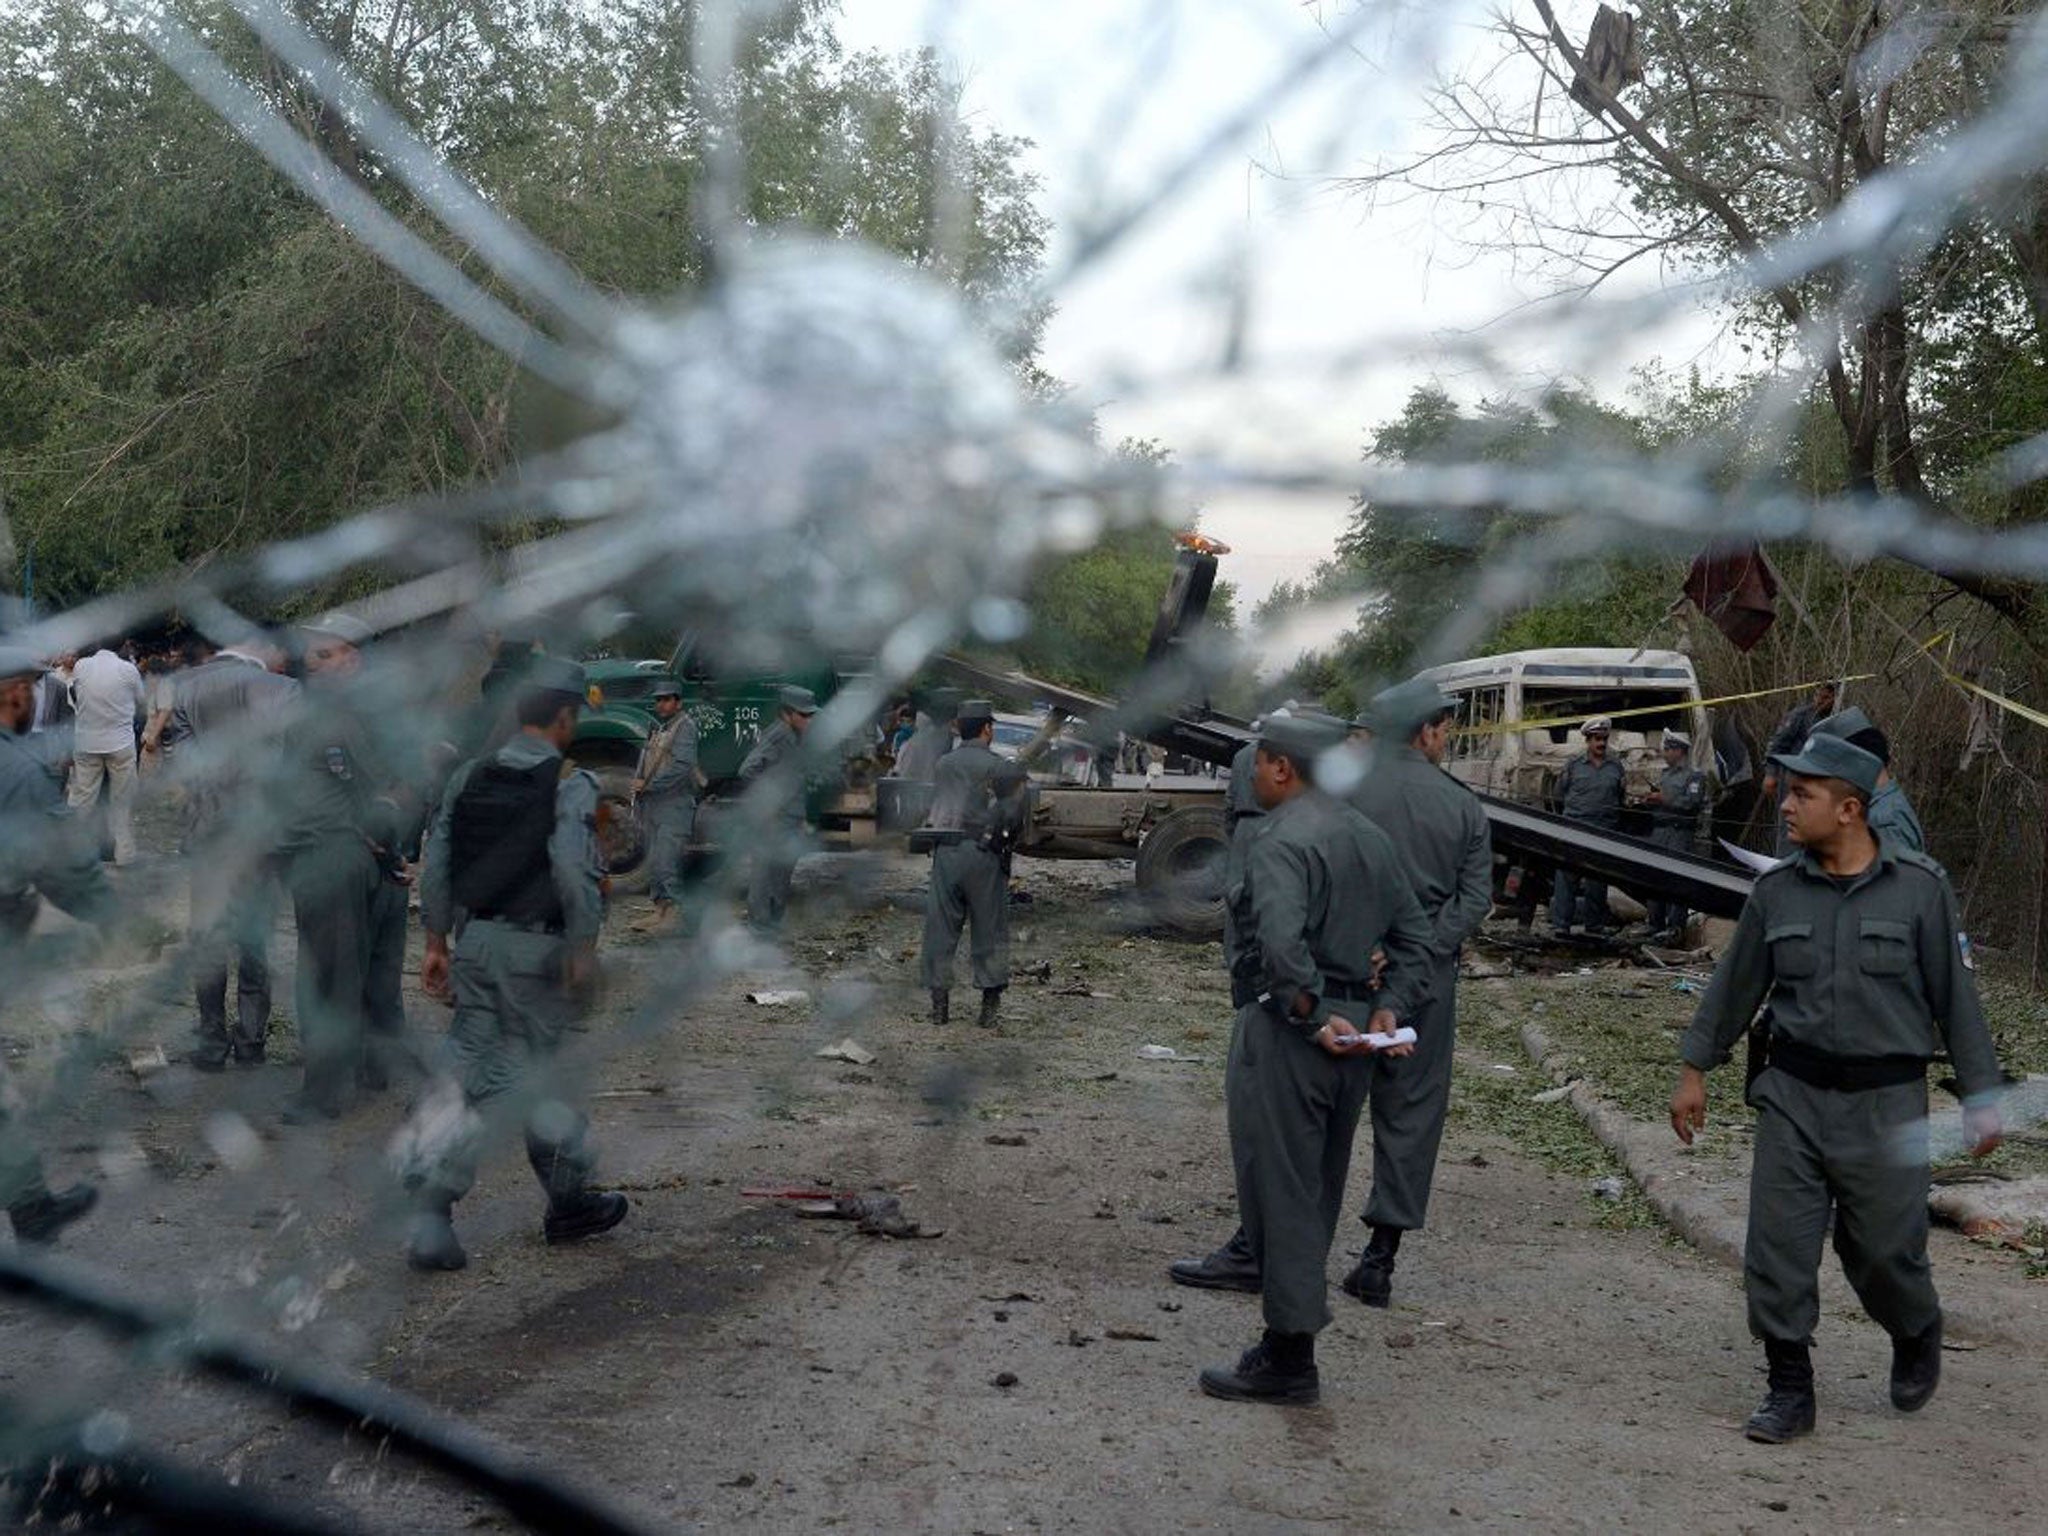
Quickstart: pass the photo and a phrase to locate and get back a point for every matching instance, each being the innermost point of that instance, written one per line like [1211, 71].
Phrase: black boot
[991, 1005]
[583, 1215]
[39, 1217]
[430, 1242]
[1372, 1282]
[1280, 1368]
[1233, 1267]
[1916, 1369]
[1787, 1411]
[942, 1007]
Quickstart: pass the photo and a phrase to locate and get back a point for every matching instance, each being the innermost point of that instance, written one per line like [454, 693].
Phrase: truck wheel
[621, 840]
[1180, 870]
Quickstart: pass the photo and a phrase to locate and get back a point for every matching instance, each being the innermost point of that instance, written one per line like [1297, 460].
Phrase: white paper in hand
[1402, 1036]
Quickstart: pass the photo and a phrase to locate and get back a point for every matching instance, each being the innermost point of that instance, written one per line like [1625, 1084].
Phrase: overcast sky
[1117, 92]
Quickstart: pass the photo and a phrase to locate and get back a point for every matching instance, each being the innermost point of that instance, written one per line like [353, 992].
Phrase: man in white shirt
[107, 693]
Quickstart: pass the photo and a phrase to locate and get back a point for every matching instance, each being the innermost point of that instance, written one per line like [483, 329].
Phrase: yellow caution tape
[1502, 728]
[2013, 706]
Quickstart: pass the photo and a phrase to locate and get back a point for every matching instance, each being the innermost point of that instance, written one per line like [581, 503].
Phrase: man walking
[1857, 947]
[1322, 890]
[223, 712]
[109, 700]
[1675, 806]
[774, 770]
[513, 872]
[1440, 834]
[976, 812]
[666, 783]
[1589, 789]
[43, 851]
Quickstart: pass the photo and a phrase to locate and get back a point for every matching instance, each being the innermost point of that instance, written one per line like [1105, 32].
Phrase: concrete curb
[1662, 1169]
[1665, 1172]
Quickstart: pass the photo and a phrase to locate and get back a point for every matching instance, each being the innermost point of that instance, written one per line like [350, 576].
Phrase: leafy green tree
[194, 360]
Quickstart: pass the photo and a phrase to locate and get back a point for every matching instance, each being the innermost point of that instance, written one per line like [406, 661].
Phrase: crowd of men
[1356, 870]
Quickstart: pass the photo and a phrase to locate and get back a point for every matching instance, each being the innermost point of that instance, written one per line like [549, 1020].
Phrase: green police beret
[551, 674]
[1400, 711]
[1831, 757]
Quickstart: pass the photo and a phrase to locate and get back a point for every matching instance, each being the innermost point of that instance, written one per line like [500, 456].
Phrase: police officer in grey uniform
[43, 849]
[1891, 817]
[1441, 836]
[774, 768]
[513, 870]
[931, 741]
[1675, 806]
[1322, 889]
[347, 815]
[224, 712]
[666, 784]
[1589, 789]
[1233, 1267]
[977, 804]
[1857, 947]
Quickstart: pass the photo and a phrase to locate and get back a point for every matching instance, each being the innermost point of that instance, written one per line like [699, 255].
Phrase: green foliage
[194, 360]
[1092, 612]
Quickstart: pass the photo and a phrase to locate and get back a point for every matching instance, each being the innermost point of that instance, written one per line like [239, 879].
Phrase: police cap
[1678, 739]
[16, 662]
[337, 625]
[1301, 735]
[1402, 710]
[667, 688]
[1858, 729]
[1599, 725]
[799, 701]
[1831, 757]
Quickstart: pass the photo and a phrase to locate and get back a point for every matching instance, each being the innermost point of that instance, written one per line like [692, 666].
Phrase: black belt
[1349, 991]
[1845, 1074]
[530, 925]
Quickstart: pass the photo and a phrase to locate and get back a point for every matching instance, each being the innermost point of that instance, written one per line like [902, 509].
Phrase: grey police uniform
[774, 768]
[1440, 834]
[669, 804]
[972, 805]
[1893, 819]
[1592, 795]
[1241, 816]
[1674, 822]
[524, 848]
[1321, 890]
[335, 819]
[1866, 978]
[222, 709]
[927, 747]
[43, 848]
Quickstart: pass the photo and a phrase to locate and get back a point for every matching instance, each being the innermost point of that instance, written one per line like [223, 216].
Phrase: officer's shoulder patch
[1915, 859]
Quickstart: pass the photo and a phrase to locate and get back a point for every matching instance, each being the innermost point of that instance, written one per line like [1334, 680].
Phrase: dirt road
[1553, 1362]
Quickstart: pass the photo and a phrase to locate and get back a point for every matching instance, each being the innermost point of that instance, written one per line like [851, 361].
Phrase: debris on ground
[1163, 1053]
[1005, 1380]
[878, 1215]
[1612, 1188]
[1554, 1095]
[1008, 1139]
[1037, 970]
[779, 997]
[148, 1062]
[848, 1049]
[1131, 1335]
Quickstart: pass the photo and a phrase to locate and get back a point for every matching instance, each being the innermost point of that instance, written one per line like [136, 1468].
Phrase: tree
[1752, 123]
[1410, 566]
[194, 360]
[1092, 612]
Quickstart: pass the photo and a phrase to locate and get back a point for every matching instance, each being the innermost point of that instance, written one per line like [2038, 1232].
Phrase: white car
[1069, 760]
